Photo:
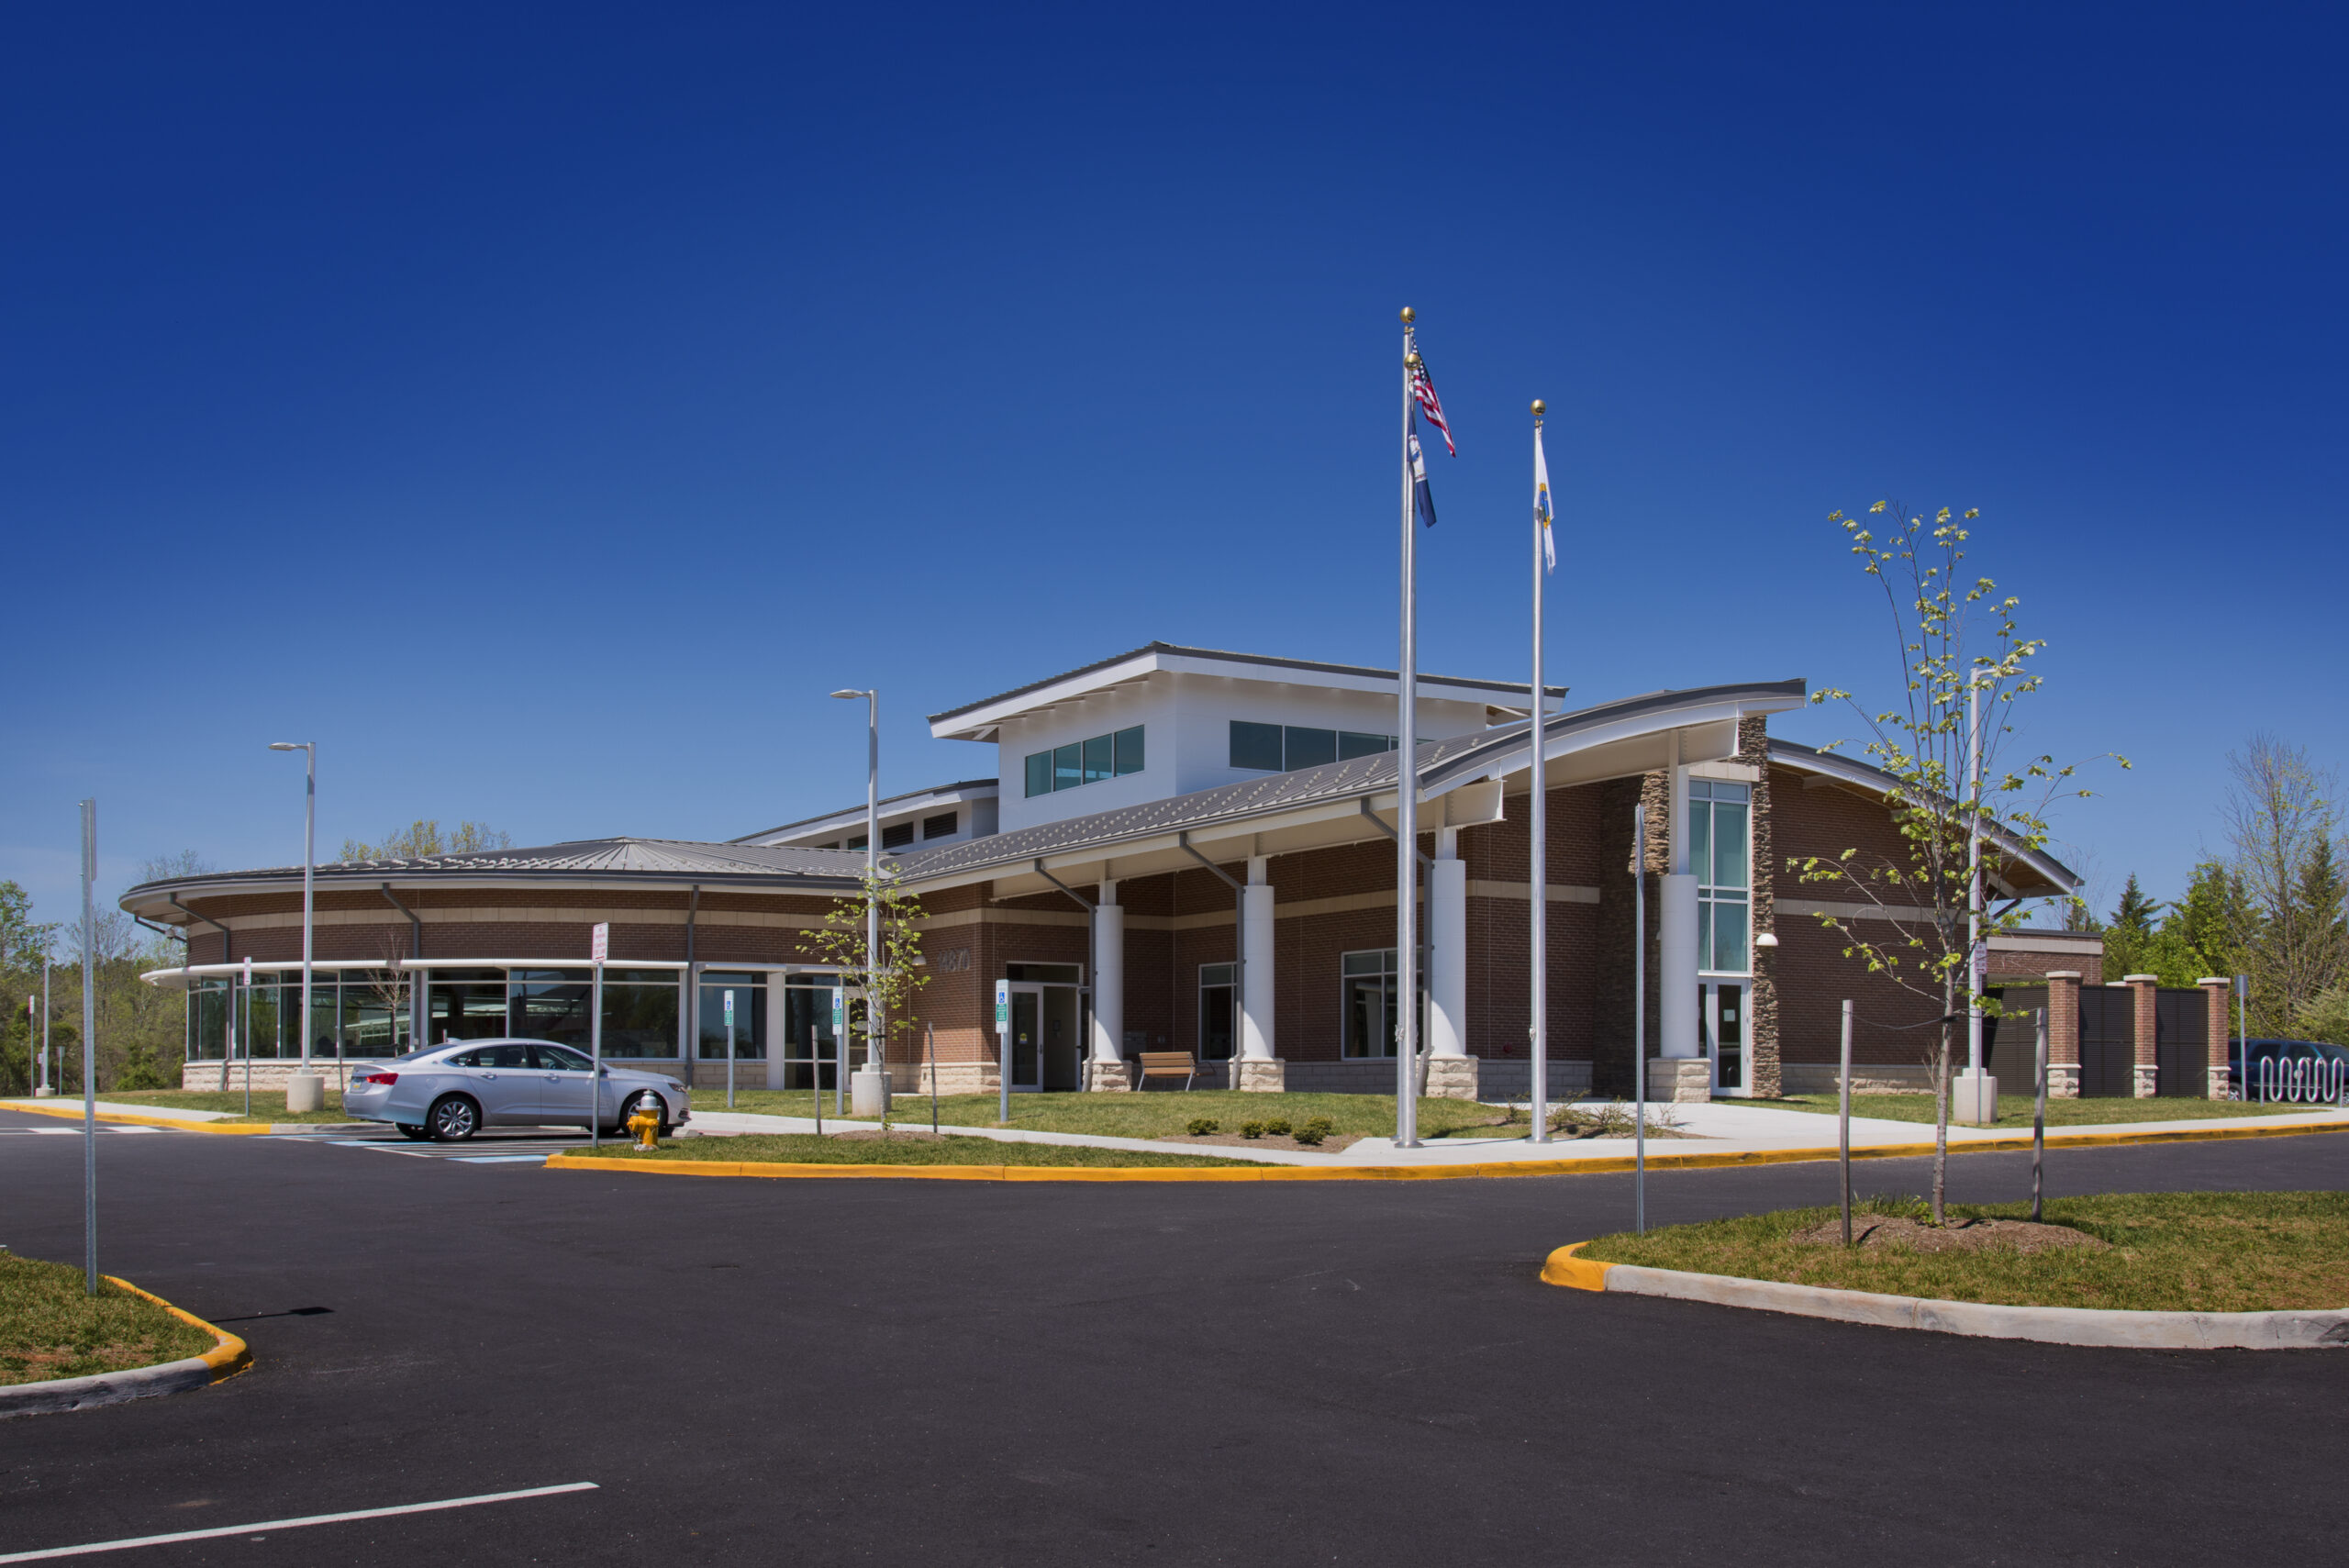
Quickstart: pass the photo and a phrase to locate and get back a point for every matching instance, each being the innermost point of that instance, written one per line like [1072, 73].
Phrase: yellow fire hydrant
[646, 1124]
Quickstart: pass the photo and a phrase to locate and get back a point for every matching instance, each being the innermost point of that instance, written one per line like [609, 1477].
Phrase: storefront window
[466, 1004]
[749, 1015]
[549, 1003]
[1720, 853]
[640, 1012]
[1373, 1021]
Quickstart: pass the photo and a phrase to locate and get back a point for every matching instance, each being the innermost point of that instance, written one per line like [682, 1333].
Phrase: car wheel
[410, 1130]
[454, 1118]
[628, 1109]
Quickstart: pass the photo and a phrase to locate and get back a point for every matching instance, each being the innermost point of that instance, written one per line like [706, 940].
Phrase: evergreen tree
[2129, 940]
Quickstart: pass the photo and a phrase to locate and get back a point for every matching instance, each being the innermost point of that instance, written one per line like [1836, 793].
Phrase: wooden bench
[1167, 1064]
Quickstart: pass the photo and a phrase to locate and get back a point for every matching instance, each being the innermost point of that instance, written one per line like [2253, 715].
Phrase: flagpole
[1538, 856]
[1407, 804]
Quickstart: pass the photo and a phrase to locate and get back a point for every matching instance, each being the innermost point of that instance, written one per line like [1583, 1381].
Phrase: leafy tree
[2327, 1017]
[2198, 933]
[2129, 940]
[2283, 825]
[1955, 646]
[424, 837]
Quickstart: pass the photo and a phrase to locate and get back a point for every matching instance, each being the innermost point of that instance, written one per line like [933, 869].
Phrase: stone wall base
[1451, 1077]
[1684, 1080]
[2148, 1079]
[1868, 1078]
[270, 1076]
[2062, 1080]
[1263, 1077]
[2222, 1083]
[953, 1078]
[1110, 1078]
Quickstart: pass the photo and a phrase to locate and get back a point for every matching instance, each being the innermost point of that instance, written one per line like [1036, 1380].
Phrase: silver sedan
[449, 1092]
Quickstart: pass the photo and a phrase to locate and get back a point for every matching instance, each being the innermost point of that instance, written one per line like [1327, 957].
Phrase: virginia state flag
[1541, 503]
[1422, 498]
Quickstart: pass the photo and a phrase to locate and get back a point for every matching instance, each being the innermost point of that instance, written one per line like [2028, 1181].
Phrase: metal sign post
[2039, 1121]
[249, 1040]
[1003, 1050]
[89, 1031]
[2243, 1036]
[599, 948]
[1843, 1119]
[930, 1049]
[1639, 1019]
[730, 1051]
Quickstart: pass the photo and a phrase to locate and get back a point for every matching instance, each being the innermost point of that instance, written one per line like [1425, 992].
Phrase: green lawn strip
[2171, 1252]
[1151, 1114]
[50, 1329]
[808, 1149]
[269, 1105]
[2014, 1110]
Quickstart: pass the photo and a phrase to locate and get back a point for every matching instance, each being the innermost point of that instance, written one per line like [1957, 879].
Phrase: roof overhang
[983, 721]
[152, 901]
[2019, 872]
[851, 817]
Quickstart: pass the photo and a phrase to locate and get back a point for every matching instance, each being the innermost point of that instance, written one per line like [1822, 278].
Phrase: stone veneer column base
[953, 1078]
[1110, 1078]
[2148, 1080]
[2062, 1080]
[1451, 1077]
[1260, 1076]
[2222, 1083]
[1683, 1080]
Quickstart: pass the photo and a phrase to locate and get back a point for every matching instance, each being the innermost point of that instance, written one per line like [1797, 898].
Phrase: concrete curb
[232, 1130]
[1599, 1165]
[227, 1358]
[2306, 1331]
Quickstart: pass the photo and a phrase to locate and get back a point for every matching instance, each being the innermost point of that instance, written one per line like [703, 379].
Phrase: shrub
[1202, 1127]
[1251, 1129]
[1316, 1130]
[1278, 1126]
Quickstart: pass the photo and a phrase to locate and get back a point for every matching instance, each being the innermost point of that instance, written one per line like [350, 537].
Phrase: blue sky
[543, 409]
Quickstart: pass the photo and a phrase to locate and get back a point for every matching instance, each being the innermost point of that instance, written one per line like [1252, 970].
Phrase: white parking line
[292, 1524]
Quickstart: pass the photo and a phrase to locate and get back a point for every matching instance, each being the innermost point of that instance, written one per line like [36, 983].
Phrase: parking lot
[949, 1372]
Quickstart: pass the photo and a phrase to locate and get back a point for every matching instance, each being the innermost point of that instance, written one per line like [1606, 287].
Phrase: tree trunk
[1941, 1103]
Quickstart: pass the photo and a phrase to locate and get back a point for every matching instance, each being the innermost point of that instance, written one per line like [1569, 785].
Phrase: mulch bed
[1330, 1145]
[1958, 1236]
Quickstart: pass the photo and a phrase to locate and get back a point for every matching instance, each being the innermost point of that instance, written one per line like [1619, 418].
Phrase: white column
[1679, 1034]
[1257, 981]
[1448, 935]
[1108, 976]
[777, 1047]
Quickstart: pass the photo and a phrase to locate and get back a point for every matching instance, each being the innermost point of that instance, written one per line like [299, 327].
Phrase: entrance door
[1721, 1007]
[1063, 1039]
[1027, 1037]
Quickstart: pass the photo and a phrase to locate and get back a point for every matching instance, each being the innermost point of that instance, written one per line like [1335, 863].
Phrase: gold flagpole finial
[1539, 409]
[1409, 316]
[1412, 360]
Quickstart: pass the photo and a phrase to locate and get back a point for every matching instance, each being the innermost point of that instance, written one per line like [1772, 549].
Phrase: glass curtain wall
[1373, 1022]
[1720, 853]
[360, 1014]
[809, 1045]
[364, 1013]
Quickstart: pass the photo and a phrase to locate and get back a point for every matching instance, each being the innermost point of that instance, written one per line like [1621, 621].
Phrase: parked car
[451, 1091]
[2302, 1070]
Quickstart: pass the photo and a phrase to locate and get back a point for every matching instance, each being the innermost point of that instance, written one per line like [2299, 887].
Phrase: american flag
[1423, 390]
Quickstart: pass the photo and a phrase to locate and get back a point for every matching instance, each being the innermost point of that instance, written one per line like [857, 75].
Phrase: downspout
[690, 1047]
[1239, 949]
[415, 996]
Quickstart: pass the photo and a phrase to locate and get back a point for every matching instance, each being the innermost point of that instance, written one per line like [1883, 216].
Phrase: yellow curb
[227, 1358]
[1604, 1165]
[1562, 1267]
[73, 1113]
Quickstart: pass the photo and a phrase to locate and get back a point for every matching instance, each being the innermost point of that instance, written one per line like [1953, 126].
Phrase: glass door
[1027, 1038]
[1722, 1006]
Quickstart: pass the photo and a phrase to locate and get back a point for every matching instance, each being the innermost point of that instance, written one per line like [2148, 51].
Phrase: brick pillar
[2218, 992]
[2143, 989]
[2063, 1034]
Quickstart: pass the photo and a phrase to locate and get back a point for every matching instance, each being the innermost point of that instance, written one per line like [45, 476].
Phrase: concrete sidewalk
[1717, 1130]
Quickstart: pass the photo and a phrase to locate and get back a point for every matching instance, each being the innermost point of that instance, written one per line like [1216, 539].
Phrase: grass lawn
[2014, 1110]
[50, 1329]
[267, 1104]
[1148, 1115]
[2171, 1252]
[808, 1148]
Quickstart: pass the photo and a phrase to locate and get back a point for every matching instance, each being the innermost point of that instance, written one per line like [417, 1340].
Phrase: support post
[2038, 1114]
[1451, 1070]
[1639, 1019]
[1843, 1119]
[2218, 1053]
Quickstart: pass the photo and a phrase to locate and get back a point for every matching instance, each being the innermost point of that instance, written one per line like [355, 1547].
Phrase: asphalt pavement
[950, 1372]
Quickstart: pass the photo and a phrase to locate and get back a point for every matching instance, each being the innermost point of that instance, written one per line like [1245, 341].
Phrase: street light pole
[310, 1092]
[874, 1084]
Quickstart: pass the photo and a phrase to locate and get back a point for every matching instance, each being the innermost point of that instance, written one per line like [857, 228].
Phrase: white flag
[1541, 502]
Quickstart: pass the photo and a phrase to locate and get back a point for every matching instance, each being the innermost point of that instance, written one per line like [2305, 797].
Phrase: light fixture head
[844, 693]
[285, 745]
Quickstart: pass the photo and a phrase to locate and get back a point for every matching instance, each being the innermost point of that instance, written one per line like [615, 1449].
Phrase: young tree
[1958, 650]
[889, 984]
[2196, 936]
